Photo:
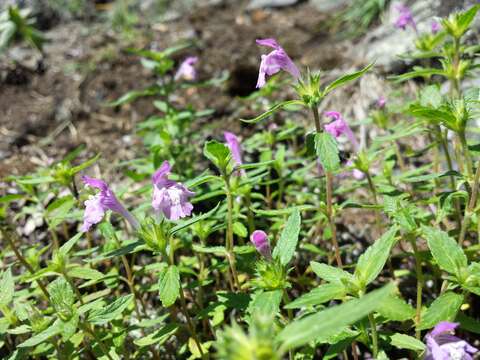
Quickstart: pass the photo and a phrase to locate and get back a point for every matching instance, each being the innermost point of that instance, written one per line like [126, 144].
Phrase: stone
[260, 4]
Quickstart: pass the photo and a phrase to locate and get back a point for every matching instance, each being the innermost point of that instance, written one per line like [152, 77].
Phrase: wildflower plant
[242, 252]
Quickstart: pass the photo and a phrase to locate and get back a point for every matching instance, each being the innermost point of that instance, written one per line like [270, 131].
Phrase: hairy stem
[229, 240]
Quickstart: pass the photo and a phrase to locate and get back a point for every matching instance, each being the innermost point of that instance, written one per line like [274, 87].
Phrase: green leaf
[62, 297]
[84, 165]
[169, 285]
[239, 229]
[85, 273]
[7, 287]
[319, 295]
[430, 96]
[111, 311]
[134, 95]
[218, 153]
[444, 308]
[330, 273]
[285, 248]
[394, 308]
[327, 151]
[266, 303]
[157, 337]
[58, 210]
[46, 334]
[186, 223]
[445, 250]
[329, 321]
[345, 79]
[465, 18]
[272, 110]
[402, 341]
[372, 261]
[65, 248]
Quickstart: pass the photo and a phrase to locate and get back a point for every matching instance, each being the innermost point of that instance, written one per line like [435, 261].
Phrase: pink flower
[260, 240]
[170, 197]
[339, 127]
[435, 27]
[96, 206]
[234, 145]
[187, 70]
[274, 62]
[381, 102]
[405, 18]
[443, 345]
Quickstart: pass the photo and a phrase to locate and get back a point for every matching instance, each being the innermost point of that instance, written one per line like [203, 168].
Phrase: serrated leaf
[266, 303]
[319, 295]
[62, 297]
[285, 248]
[445, 250]
[403, 341]
[327, 322]
[345, 79]
[394, 308]
[327, 151]
[46, 334]
[85, 273]
[169, 285]
[157, 337]
[443, 308]
[110, 311]
[372, 261]
[239, 229]
[186, 223]
[330, 273]
[7, 287]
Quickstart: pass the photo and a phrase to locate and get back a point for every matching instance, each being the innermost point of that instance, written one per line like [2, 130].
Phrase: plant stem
[471, 205]
[373, 326]
[418, 270]
[229, 240]
[329, 176]
[375, 201]
[190, 322]
[466, 153]
[331, 219]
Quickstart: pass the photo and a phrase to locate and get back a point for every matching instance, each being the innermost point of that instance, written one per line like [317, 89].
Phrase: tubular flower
[234, 145]
[340, 127]
[405, 18]
[443, 345]
[170, 197]
[96, 206]
[274, 62]
[187, 70]
[260, 240]
[381, 102]
[435, 27]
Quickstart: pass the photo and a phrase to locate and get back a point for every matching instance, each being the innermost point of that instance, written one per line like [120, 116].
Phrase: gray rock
[329, 5]
[385, 44]
[260, 4]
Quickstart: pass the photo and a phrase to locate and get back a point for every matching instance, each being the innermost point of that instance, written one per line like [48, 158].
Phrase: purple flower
[187, 70]
[405, 18]
[381, 102]
[340, 127]
[234, 145]
[170, 197]
[260, 240]
[435, 27]
[274, 62]
[443, 345]
[96, 206]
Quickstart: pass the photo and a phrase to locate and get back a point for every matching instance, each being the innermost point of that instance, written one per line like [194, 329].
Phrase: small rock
[329, 5]
[258, 4]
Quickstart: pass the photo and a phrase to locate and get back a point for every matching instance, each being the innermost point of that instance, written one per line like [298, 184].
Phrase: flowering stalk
[471, 206]
[329, 177]
[191, 327]
[419, 274]
[229, 240]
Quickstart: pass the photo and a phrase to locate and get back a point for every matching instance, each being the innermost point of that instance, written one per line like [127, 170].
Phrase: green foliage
[327, 151]
[169, 285]
[285, 248]
[16, 24]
